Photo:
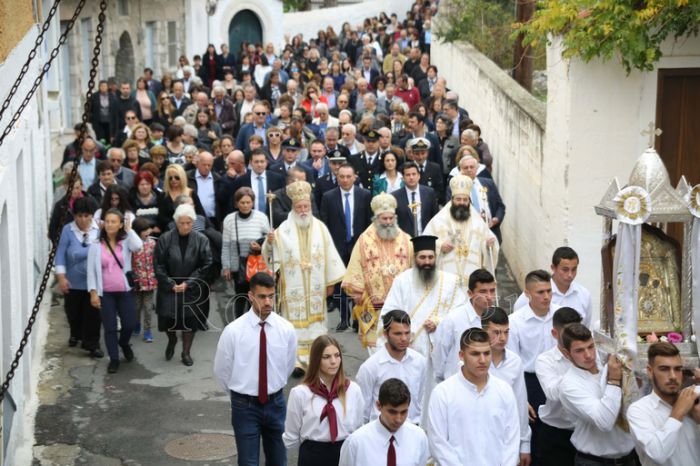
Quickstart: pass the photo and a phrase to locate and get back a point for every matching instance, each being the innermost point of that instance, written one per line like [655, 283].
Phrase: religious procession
[339, 178]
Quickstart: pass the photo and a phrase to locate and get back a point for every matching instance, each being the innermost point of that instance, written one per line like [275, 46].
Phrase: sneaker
[113, 367]
[147, 336]
[137, 329]
[128, 353]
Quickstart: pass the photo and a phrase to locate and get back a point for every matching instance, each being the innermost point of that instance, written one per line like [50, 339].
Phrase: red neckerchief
[321, 390]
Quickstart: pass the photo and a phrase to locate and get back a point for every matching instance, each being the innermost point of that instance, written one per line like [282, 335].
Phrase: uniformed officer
[430, 172]
[368, 162]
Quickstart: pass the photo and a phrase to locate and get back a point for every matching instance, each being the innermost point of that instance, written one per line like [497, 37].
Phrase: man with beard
[665, 423]
[302, 250]
[381, 252]
[428, 295]
[465, 242]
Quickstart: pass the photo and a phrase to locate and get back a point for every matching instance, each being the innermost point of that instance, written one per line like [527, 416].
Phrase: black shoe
[341, 327]
[96, 353]
[187, 359]
[73, 342]
[128, 353]
[355, 326]
[298, 372]
[113, 367]
[170, 351]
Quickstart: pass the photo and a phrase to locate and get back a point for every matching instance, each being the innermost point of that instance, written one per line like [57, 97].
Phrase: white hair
[115, 150]
[188, 69]
[218, 89]
[185, 210]
[348, 113]
[470, 133]
[180, 121]
[321, 107]
[350, 126]
[189, 148]
[190, 130]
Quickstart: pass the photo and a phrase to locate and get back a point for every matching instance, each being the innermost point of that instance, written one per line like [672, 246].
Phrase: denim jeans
[120, 304]
[251, 420]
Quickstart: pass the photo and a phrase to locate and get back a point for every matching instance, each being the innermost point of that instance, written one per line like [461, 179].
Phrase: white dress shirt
[380, 367]
[206, 193]
[531, 335]
[368, 446]
[594, 405]
[550, 367]
[468, 427]
[418, 209]
[304, 412]
[660, 438]
[351, 201]
[510, 370]
[238, 352]
[576, 297]
[446, 340]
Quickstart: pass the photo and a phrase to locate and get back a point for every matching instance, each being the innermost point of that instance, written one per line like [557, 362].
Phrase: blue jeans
[122, 304]
[251, 420]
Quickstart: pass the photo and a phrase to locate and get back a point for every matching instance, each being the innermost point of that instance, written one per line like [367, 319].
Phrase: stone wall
[310, 22]
[15, 20]
[25, 205]
[513, 124]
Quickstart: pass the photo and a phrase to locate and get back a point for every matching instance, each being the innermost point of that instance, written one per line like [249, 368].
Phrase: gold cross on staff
[652, 132]
[414, 206]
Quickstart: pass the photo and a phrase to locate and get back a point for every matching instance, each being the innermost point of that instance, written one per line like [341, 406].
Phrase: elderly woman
[183, 258]
[71, 273]
[244, 233]
[109, 264]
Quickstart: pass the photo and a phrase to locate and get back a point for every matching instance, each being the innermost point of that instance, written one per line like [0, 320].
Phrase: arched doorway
[245, 26]
[125, 70]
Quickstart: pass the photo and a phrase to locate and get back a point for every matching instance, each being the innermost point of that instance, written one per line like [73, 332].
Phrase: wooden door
[678, 116]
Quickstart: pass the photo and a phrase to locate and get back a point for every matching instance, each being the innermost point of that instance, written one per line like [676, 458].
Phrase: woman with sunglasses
[71, 274]
[174, 184]
[324, 408]
[273, 149]
[165, 110]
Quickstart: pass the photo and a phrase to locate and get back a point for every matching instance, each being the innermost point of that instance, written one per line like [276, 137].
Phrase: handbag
[130, 279]
[242, 260]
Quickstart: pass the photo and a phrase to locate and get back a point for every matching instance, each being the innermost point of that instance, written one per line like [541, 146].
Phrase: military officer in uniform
[329, 180]
[368, 162]
[430, 172]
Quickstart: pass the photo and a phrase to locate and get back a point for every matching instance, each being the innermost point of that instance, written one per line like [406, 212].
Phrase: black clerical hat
[423, 243]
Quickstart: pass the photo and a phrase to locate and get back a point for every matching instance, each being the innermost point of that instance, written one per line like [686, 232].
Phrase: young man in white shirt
[530, 336]
[565, 290]
[473, 416]
[482, 294]
[394, 360]
[557, 425]
[665, 424]
[507, 366]
[254, 358]
[389, 439]
[591, 393]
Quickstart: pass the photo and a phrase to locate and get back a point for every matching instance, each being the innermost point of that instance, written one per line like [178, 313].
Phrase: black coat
[122, 106]
[192, 184]
[112, 106]
[433, 177]
[365, 172]
[171, 266]
[323, 185]
[496, 205]
[279, 169]
[434, 154]
[274, 182]
[283, 205]
[186, 102]
[429, 208]
[332, 215]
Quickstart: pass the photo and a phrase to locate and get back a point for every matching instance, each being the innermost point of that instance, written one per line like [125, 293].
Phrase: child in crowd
[144, 276]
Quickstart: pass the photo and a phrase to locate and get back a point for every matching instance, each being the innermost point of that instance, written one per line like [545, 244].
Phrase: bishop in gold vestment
[465, 242]
[382, 252]
[302, 251]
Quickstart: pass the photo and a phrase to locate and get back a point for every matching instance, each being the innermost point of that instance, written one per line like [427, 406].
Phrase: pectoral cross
[652, 132]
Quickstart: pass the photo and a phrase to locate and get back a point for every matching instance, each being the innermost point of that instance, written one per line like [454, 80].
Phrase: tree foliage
[486, 24]
[631, 30]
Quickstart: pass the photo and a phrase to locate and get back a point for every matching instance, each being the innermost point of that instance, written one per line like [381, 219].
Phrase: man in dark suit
[257, 126]
[103, 116]
[153, 85]
[430, 172]
[346, 212]
[105, 178]
[493, 210]
[332, 137]
[413, 192]
[180, 100]
[317, 161]
[205, 184]
[416, 123]
[282, 204]
[290, 158]
[260, 180]
[368, 162]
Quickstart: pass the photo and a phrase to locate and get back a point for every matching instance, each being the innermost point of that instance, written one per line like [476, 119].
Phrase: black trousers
[536, 397]
[555, 446]
[83, 319]
[319, 453]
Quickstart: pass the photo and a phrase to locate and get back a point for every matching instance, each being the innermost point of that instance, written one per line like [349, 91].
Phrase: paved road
[89, 417]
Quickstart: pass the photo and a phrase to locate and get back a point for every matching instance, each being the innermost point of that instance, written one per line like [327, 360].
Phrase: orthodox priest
[302, 251]
[465, 242]
[427, 295]
[381, 252]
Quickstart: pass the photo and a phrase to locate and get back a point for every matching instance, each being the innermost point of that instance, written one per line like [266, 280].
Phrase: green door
[245, 26]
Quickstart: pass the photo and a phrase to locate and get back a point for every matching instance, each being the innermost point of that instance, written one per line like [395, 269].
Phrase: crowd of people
[339, 172]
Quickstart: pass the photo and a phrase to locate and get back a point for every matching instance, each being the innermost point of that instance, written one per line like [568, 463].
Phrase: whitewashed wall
[310, 22]
[25, 200]
[552, 170]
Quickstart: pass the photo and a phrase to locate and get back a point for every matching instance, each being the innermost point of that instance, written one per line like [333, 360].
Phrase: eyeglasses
[85, 238]
[174, 178]
[165, 98]
[274, 135]
[261, 113]
[131, 118]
